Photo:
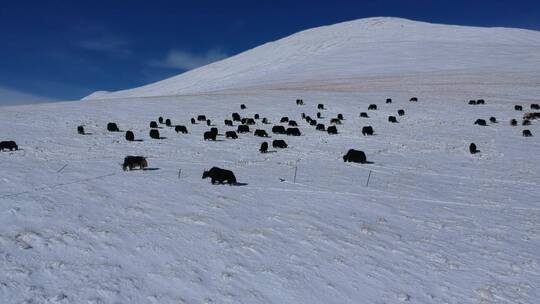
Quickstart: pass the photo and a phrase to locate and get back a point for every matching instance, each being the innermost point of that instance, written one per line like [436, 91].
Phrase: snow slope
[435, 224]
[355, 49]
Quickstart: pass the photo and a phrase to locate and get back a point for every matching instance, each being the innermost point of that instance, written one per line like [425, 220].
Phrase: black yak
[513, 122]
[472, 102]
[284, 119]
[335, 121]
[168, 122]
[518, 108]
[413, 99]
[180, 128]
[535, 106]
[293, 123]
[303, 115]
[236, 117]
[193, 122]
[250, 121]
[493, 119]
[372, 107]
[160, 119]
[293, 132]
[130, 136]
[208, 122]
[228, 122]
[308, 119]
[480, 122]
[401, 112]
[131, 162]
[80, 130]
[340, 116]
[320, 127]
[264, 147]
[392, 119]
[256, 116]
[332, 130]
[243, 106]
[8, 145]
[300, 102]
[153, 124]
[355, 156]
[480, 102]
[209, 135]
[279, 143]
[214, 130]
[243, 129]
[112, 127]
[154, 133]
[367, 130]
[313, 122]
[525, 122]
[278, 129]
[320, 106]
[319, 115]
[364, 114]
[472, 148]
[201, 118]
[388, 100]
[231, 134]
[260, 133]
[220, 176]
[527, 133]
[265, 121]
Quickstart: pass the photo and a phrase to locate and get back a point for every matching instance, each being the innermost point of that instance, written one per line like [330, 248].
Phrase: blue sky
[64, 50]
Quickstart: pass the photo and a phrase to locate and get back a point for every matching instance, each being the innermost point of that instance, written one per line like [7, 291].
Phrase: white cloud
[109, 44]
[178, 59]
[9, 97]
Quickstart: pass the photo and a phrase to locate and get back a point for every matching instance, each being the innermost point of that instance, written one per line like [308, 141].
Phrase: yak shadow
[271, 151]
[138, 140]
[87, 134]
[151, 169]
[239, 184]
[368, 162]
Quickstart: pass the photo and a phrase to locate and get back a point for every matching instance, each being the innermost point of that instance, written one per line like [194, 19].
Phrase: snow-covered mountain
[365, 47]
[424, 221]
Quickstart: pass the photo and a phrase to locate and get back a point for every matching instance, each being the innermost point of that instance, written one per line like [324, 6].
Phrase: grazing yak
[319, 115]
[303, 115]
[264, 147]
[388, 100]
[332, 130]
[208, 122]
[293, 123]
[80, 130]
[413, 99]
[250, 121]
[8, 145]
[513, 122]
[480, 102]
[320, 106]
[293, 132]
[130, 136]
[180, 128]
[279, 143]
[256, 116]
[308, 119]
[160, 119]
[526, 122]
[392, 119]
[320, 127]
[154, 133]
[236, 117]
[265, 121]
[214, 130]
[472, 102]
[284, 119]
[364, 115]
[153, 125]
[231, 134]
[401, 112]
[300, 102]
[531, 115]
[372, 107]
[209, 135]
[493, 119]
[260, 133]
[220, 176]
[527, 133]
[340, 116]
[193, 122]
[535, 106]
[335, 121]
[480, 122]
[355, 156]
[472, 148]
[228, 122]
[313, 122]
[168, 122]
[518, 108]
[243, 129]
[201, 118]
[367, 130]
[131, 162]
[278, 130]
[112, 127]
[242, 106]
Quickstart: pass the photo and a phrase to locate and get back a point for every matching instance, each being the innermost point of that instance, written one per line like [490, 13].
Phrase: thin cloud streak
[179, 59]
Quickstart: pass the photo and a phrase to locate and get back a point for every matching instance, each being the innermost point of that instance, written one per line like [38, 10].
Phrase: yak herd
[287, 127]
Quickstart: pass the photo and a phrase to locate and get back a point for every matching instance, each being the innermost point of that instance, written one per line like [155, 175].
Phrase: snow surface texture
[435, 225]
